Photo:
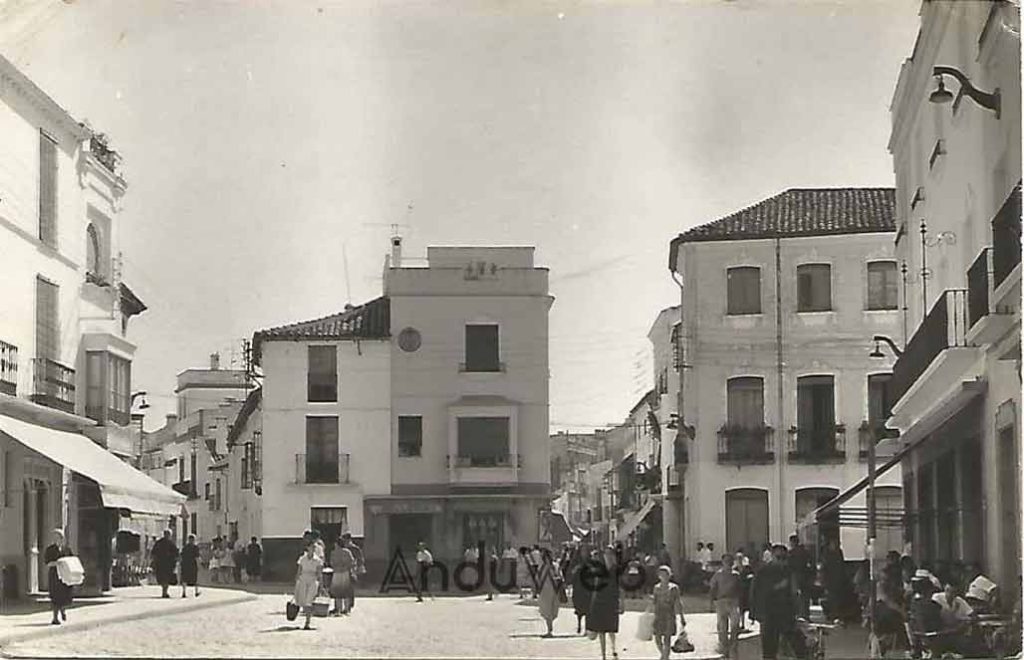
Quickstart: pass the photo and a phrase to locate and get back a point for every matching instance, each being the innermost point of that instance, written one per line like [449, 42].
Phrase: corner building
[779, 304]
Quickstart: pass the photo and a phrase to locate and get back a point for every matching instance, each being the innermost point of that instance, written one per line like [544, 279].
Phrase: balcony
[185, 488]
[823, 444]
[8, 368]
[495, 368]
[308, 470]
[1006, 238]
[746, 445]
[497, 470]
[54, 385]
[937, 360]
[987, 323]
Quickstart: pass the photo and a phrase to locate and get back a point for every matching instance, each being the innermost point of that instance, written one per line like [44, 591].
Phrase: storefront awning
[635, 518]
[121, 485]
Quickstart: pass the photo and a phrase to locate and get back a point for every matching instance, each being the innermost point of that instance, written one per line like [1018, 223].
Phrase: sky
[268, 146]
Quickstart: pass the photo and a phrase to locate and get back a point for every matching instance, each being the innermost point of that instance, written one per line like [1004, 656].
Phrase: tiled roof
[252, 402]
[371, 320]
[801, 212]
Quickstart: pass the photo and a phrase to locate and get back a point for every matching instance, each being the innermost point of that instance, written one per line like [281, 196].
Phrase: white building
[958, 198]
[780, 302]
[65, 358]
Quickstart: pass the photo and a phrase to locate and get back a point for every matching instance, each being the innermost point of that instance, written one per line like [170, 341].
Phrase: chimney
[172, 419]
[214, 361]
[396, 251]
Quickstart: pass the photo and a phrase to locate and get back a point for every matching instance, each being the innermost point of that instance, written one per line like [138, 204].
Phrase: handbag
[291, 610]
[682, 643]
[645, 627]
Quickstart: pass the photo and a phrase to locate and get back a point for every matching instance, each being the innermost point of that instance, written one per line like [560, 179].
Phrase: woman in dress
[580, 592]
[60, 593]
[668, 602]
[550, 590]
[344, 564]
[605, 601]
[190, 565]
[214, 565]
[227, 562]
[307, 581]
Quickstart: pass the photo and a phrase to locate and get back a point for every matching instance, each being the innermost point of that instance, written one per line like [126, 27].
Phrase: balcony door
[321, 458]
[330, 522]
[746, 519]
[808, 500]
[483, 441]
[816, 414]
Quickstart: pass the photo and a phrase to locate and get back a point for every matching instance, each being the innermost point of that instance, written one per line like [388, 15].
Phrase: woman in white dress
[307, 581]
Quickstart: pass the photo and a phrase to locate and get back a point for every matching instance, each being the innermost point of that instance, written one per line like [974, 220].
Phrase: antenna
[348, 285]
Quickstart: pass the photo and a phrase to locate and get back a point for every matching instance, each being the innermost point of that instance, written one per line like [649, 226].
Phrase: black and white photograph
[582, 329]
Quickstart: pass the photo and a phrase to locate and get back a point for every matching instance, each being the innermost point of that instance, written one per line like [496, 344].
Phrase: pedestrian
[550, 590]
[227, 562]
[60, 593]
[774, 606]
[357, 571]
[344, 564]
[254, 559]
[667, 601]
[190, 565]
[493, 561]
[799, 560]
[651, 573]
[726, 592]
[238, 557]
[633, 580]
[766, 553]
[581, 593]
[165, 559]
[838, 588]
[703, 556]
[524, 572]
[746, 571]
[510, 560]
[470, 556]
[307, 581]
[424, 560]
[214, 564]
[605, 601]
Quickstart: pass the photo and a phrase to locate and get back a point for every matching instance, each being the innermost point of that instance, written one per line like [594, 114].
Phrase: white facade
[735, 495]
[958, 173]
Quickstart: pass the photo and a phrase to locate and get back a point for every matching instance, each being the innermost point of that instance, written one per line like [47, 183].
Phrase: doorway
[405, 530]
[746, 519]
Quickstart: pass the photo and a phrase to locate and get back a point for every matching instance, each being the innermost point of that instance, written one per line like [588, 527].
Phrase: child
[668, 602]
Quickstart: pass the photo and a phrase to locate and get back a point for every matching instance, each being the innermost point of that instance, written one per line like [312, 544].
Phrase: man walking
[424, 560]
[726, 588]
[800, 568]
[253, 559]
[774, 601]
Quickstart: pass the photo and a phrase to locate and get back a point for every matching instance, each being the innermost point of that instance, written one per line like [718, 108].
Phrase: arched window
[93, 251]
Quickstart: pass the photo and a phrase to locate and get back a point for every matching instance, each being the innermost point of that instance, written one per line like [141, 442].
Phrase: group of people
[171, 565]
[327, 571]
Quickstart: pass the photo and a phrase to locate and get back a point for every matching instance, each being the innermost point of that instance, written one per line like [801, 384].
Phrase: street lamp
[988, 100]
[877, 353]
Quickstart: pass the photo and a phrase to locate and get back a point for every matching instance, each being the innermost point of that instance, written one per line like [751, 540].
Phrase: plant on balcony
[740, 442]
[99, 145]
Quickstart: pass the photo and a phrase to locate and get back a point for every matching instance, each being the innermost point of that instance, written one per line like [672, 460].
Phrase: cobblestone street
[379, 627]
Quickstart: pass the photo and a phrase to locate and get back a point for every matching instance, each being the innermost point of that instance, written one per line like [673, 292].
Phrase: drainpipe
[780, 443]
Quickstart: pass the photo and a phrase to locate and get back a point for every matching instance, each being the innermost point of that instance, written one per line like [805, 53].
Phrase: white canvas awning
[121, 485]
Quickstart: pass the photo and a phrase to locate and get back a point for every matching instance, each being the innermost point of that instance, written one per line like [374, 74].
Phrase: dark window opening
[321, 450]
[322, 383]
[814, 288]
[483, 441]
[482, 352]
[410, 435]
[883, 286]
[744, 290]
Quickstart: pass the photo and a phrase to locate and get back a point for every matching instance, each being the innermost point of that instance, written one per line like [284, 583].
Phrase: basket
[321, 607]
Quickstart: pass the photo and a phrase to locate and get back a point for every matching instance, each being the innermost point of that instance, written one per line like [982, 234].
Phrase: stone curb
[120, 618]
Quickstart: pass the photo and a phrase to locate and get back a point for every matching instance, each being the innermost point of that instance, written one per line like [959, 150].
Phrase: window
[482, 348]
[879, 398]
[484, 441]
[195, 526]
[217, 495]
[745, 402]
[883, 289]
[192, 477]
[47, 190]
[744, 290]
[815, 414]
[47, 320]
[322, 383]
[93, 253]
[181, 472]
[321, 450]
[206, 491]
[108, 385]
[814, 288]
[410, 435]
[246, 466]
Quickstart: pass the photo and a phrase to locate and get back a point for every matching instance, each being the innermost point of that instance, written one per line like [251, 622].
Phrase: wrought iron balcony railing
[979, 287]
[482, 461]
[313, 470]
[944, 327]
[8, 368]
[54, 385]
[817, 444]
[745, 445]
[1006, 238]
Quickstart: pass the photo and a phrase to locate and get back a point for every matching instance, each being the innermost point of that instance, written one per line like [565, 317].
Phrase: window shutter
[47, 190]
[47, 322]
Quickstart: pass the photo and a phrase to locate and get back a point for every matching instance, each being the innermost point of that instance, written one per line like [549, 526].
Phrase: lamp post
[988, 100]
[140, 416]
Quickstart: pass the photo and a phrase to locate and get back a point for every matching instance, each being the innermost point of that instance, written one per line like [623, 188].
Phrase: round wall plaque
[409, 340]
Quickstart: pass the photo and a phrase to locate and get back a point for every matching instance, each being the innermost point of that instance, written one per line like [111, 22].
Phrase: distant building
[780, 302]
[957, 384]
[572, 454]
[65, 355]
[450, 366]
